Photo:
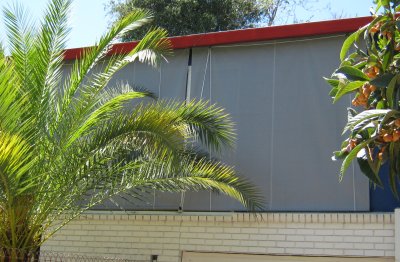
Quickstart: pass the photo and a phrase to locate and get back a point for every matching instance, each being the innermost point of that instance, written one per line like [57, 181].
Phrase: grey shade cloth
[286, 124]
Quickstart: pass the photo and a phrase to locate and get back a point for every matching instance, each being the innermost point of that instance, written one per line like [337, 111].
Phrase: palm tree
[69, 143]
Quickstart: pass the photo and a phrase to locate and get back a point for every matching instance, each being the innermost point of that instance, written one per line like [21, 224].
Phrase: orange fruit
[371, 72]
[372, 88]
[355, 102]
[380, 155]
[387, 34]
[353, 143]
[366, 91]
[374, 30]
[362, 100]
[396, 135]
[387, 138]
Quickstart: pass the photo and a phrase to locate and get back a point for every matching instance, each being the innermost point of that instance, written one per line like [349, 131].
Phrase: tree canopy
[182, 17]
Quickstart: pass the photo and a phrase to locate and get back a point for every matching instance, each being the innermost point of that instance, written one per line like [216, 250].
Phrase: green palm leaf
[67, 144]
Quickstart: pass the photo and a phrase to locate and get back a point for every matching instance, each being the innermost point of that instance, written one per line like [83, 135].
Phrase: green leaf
[386, 59]
[333, 92]
[348, 88]
[385, 2]
[372, 60]
[360, 65]
[391, 90]
[378, 6]
[368, 114]
[365, 166]
[332, 82]
[390, 114]
[382, 80]
[338, 155]
[351, 112]
[349, 42]
[392, 168]
[349, 158]
[396, 148]
[362, 126]
[381, 105]
[352, 73]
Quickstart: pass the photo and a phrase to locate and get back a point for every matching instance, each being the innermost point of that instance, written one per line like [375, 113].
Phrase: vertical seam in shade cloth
[182, 201]
[205, 73]
[210, 75]
[187, 100]
[159, 96]
[154, 199]
[189, 77]
[210, 52]
[134, 72]
[271, 168]
[159, 81]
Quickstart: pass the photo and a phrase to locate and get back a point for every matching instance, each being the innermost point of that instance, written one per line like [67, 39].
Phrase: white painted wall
[137, 236]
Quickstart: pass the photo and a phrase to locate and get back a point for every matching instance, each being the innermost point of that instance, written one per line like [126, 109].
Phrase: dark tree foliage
[183, 17]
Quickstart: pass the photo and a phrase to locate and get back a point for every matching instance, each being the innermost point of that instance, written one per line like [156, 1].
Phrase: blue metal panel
[382, 199]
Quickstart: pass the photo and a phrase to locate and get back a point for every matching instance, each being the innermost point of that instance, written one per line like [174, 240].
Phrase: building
[270, 81]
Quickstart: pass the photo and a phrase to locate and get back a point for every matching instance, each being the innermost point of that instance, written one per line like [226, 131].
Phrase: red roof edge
[331, 27]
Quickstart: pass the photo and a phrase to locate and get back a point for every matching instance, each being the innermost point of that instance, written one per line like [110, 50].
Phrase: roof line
[330, 27]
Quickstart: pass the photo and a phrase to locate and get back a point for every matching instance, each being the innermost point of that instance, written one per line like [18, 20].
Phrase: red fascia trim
[247, 35]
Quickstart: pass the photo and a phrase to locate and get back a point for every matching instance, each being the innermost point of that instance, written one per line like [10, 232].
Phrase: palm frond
[210, 124]
[152, 47]
[20, 32]
[12, 101]
[93, 55]
[67, 144]
[49, 55]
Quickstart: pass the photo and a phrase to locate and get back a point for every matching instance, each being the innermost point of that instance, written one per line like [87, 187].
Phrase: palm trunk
[20, 253]
[21, 243]
[36, 255]
[13, 255]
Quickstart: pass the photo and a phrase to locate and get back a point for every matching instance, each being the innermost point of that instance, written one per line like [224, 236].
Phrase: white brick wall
[137, 236]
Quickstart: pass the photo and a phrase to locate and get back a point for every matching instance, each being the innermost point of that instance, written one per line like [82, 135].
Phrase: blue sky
[89, 19]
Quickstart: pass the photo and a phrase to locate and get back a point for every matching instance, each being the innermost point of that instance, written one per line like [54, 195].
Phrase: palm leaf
[67, 144]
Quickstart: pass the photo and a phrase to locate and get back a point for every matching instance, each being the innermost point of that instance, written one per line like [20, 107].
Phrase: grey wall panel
[138, 75]
[200, 90]
[241, 80]
[306, 131]
[173, 76]
[286, 124]
[167, 81]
